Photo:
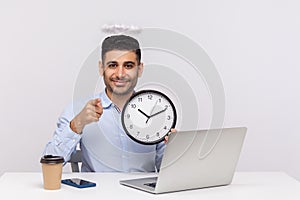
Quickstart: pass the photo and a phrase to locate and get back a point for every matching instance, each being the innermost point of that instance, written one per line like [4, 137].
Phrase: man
[95, 123]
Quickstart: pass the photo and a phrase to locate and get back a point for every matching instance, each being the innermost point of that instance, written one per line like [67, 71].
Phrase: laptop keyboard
[151, 184]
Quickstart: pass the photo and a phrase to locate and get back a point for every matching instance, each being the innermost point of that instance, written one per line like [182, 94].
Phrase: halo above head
[121, 28]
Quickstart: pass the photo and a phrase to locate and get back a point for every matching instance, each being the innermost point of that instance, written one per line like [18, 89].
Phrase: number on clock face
[148, 116]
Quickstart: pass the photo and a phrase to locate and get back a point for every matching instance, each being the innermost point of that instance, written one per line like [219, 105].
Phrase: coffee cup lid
[50, 159]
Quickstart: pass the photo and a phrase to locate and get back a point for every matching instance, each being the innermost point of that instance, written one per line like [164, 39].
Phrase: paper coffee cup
[52, 171]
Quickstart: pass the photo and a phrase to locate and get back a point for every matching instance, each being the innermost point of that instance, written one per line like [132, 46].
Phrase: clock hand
[143, 113]
[153, 107]
[156, 114]
[152, 110]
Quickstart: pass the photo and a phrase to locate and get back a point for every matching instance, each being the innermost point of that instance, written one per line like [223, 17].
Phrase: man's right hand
[91, 112]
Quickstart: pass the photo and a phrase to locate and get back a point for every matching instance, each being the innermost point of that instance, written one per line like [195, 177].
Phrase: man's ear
[140, 69]
[101, 68]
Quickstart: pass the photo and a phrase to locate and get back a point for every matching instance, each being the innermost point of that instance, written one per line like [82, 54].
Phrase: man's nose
[120, 71]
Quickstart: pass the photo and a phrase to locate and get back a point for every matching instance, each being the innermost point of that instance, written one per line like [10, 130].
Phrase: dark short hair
[121, 42]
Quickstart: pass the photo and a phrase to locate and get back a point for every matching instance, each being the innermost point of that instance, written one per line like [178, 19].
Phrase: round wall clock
[148, 116]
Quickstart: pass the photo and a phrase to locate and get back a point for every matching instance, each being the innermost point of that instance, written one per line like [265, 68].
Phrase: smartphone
[79, 183]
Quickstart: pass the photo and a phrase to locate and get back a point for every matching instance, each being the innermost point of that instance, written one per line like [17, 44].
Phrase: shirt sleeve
[159, 154]
[64, 140]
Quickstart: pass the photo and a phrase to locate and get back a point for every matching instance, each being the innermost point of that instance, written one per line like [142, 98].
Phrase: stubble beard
[117, 91]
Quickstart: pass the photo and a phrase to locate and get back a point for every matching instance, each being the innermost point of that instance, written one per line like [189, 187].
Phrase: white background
[254, 44]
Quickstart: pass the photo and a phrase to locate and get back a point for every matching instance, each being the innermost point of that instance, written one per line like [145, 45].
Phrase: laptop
[195, 159]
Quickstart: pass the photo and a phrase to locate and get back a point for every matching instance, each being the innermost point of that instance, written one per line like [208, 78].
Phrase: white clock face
[148, 117]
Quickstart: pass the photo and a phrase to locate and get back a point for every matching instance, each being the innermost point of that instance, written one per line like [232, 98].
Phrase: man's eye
[129, 66]
[112, 65]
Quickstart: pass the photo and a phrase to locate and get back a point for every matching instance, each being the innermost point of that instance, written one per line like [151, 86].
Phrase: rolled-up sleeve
[64, 140]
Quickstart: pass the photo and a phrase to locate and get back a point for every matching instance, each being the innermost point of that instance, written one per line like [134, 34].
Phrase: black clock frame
[139, 93]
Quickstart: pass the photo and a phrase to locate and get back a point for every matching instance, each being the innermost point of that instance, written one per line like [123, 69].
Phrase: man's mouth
[120, 83]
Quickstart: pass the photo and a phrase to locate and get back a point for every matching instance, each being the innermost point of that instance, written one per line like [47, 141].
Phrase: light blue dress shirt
[104, 144]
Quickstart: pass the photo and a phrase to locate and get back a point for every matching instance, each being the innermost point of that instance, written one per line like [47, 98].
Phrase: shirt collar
[105, 101]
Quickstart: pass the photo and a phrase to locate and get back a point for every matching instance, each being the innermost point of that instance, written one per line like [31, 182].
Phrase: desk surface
[245, 185]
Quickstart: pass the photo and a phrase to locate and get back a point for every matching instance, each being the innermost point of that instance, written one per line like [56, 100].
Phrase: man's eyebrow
[129, 62]
[111, 62]
[125, 63]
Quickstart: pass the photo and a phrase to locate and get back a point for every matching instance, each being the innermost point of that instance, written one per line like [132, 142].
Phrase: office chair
[75, 160]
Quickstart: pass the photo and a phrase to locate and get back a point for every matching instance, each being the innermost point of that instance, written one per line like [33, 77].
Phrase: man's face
[120, 72]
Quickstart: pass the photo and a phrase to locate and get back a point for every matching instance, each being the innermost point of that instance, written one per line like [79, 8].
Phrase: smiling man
[96, 126]
[120, 71]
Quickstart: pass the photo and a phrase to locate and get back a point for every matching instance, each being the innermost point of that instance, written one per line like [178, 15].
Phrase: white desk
[245, 185]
